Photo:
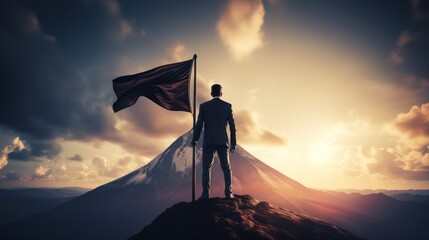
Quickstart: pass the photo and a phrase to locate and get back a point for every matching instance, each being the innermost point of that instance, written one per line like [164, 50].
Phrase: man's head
[216, 90]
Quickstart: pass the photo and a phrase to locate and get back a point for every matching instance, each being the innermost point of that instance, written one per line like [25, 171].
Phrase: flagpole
[193, 128]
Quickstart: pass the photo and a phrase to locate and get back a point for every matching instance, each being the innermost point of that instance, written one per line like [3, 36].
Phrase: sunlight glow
[322, 153]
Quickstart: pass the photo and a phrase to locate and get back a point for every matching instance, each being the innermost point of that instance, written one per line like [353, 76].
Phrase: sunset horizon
[333, 95]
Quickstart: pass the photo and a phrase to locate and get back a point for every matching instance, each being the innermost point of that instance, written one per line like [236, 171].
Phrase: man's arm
[198, 126]
[232, 130]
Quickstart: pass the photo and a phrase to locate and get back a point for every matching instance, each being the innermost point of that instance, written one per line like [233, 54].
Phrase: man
[214, 116]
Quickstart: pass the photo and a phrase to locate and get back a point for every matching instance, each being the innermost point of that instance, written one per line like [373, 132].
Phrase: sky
[334, 94]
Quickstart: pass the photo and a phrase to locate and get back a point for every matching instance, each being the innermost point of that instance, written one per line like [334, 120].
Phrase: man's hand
[232, 149]
[193, 143]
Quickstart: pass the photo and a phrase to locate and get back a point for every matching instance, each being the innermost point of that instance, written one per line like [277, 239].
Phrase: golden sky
[332, 95]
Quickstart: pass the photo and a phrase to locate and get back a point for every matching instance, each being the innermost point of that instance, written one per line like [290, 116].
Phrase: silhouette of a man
[214, 116]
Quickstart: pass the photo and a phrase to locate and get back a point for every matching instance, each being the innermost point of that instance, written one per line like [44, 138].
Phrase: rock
[240, 218]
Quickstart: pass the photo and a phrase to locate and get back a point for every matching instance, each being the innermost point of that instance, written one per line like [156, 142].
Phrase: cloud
[271, 139]
[240, 27]
[417, 160]
[249, 132]
[363, 147]
[203, 89]
[79, 102]
[125, 161]
[177, 53]
[36, 150]
[151, 120]
[353, 163]
[405, 38]
[41, 172]
[98, 170]
[92, 173]
[413, 126]
[17, 145]
[412, 80]
[112, 6]
[395, 150]
[103, 168]
[424, 83]
[76, 105]
[129, 160]
[397, 55]
[112, 170]
[32, 26]
[420, 10]
[389, 163]
[144, 128]
[125, 29]
[120, 27]
[410, 51]
[76, 157]
[62, 96]
[12, 176]
[274, 2]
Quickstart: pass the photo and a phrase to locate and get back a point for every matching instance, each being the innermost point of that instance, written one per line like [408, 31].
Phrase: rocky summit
[243, 217]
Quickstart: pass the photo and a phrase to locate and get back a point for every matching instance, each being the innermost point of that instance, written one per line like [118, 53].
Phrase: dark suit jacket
[214, 115]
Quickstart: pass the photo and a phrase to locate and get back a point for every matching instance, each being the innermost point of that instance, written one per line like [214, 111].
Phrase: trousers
[222, 152]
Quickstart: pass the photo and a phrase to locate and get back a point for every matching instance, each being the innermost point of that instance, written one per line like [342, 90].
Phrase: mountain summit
[240, 218]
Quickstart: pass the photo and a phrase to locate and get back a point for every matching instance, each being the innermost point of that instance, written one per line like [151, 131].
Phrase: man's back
[216, 114]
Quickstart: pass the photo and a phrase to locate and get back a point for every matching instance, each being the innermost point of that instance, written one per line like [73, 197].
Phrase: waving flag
[167, 86]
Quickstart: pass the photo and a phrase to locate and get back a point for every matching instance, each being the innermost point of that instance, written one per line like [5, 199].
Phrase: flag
[167, 86]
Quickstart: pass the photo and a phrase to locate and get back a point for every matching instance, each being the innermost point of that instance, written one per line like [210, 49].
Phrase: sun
[321, 153]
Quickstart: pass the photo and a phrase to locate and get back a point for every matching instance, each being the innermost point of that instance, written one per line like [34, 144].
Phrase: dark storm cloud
[37, 149]
[57, 79]
[43, 94]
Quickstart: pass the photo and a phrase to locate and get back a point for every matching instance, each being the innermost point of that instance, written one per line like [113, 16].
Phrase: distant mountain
[124, 206]
[240, 218]
[385, 191]
[411, 197]
[64, 192]
[21, 202]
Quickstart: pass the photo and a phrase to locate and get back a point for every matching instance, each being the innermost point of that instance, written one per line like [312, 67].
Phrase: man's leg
[222, 153]
[207, 169]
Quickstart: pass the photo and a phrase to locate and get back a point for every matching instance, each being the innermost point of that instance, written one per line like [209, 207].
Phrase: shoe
[229, 196]
[203, 197]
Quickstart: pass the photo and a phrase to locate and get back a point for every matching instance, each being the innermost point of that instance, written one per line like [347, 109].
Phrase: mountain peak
[243, 217]
[172, 171]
